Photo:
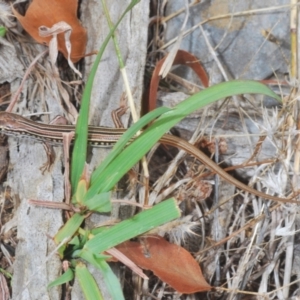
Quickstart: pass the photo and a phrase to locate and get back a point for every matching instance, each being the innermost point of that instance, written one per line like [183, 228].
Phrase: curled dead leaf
[182, 58]
[49, 12]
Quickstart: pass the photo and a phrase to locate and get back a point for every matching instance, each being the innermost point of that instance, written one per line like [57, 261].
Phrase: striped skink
[16, 125]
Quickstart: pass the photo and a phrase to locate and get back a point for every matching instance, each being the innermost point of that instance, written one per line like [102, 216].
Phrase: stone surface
[259, 59]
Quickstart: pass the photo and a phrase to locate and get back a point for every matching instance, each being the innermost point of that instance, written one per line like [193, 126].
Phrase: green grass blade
[81, 132]
[87, 282]
[138, 224]
[2, 31]
[67, 231]
[100, 203]
[64, 278]
[110, 25]
[5, 273]
[212, 94]
[126, 137]
[111, 280]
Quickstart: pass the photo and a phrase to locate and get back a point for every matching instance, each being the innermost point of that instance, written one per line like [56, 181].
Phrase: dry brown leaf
[49, 12]
[171, 263]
